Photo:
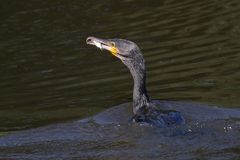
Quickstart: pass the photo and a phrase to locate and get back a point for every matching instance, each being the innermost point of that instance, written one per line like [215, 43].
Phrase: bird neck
[140, 95]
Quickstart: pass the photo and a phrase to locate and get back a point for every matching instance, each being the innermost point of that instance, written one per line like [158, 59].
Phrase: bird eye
[112, 44]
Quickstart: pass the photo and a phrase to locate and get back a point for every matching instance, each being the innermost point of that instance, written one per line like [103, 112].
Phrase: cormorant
[144, 111]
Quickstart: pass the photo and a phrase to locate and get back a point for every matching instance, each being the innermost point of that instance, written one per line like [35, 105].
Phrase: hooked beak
[103, 44]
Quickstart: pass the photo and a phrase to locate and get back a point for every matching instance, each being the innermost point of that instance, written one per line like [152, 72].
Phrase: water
[49, 75]
[209, 133]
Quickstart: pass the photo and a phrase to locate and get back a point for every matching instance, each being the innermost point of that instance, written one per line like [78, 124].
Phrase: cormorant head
[127, 51]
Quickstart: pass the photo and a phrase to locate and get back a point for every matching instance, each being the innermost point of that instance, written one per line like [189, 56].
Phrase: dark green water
[49, 75]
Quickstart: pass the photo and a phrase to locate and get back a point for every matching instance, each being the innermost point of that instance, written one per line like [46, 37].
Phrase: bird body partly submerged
[157, 116]
[193, 113]
[145, 112]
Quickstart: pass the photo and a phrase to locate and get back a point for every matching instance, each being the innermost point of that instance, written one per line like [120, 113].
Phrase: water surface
[49, 75]
[209, 133]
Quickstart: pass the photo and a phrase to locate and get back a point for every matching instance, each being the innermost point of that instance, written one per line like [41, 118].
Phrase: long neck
[140, 96]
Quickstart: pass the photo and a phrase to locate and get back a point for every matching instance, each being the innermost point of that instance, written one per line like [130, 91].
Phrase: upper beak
[103, 44]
